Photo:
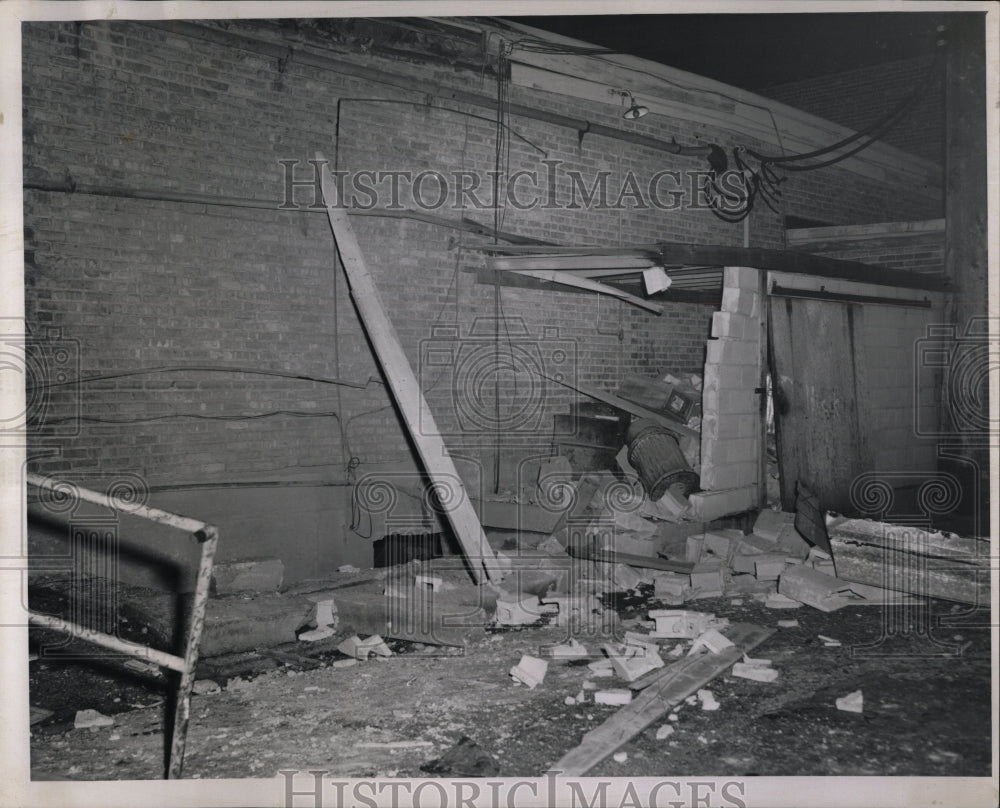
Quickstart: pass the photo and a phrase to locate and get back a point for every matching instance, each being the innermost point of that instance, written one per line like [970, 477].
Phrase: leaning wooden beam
[904, 558]
[678, 682]
[405, 389]
[569, 279]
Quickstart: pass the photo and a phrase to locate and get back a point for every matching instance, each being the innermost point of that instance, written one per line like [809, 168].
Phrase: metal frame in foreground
[207, 535]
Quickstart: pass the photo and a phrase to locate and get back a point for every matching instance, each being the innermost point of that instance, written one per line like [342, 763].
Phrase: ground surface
[925, 712]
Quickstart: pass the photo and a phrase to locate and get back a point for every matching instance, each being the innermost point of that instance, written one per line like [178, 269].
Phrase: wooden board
[569, 279]
[906, 559]
[405, 388]
[679, 681]
[816, 417]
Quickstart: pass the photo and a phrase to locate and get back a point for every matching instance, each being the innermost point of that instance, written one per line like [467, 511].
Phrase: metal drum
[654, 453]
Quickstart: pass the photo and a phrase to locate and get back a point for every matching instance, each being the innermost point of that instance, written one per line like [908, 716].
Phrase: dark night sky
[757, 50]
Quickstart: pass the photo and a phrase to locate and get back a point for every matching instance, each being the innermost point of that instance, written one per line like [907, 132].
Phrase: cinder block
[730, 325]
[730, 475]
[741, 278]
[709, 505]
[732, 352]
[769, 523]
[741, 301]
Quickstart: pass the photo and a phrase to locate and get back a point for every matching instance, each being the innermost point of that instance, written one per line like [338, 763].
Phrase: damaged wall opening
[539, 436]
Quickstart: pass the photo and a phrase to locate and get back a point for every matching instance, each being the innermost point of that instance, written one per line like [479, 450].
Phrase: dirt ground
[924, 673]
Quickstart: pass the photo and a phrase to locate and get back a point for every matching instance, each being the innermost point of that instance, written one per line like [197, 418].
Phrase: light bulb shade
[635, 111]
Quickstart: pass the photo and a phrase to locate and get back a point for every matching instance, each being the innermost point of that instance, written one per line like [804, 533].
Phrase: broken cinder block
[614, 697]
[757, 673]
[517, 611]
[530, 671]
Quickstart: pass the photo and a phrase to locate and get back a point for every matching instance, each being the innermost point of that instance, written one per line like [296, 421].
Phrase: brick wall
[859, 98]
[136, 284]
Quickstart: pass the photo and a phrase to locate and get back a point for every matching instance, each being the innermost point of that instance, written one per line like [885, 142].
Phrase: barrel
[655, 454]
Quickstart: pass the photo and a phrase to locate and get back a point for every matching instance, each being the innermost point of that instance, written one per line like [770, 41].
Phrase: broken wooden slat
[569, 279]
[679, 681]
[405, 388]
[907, 559]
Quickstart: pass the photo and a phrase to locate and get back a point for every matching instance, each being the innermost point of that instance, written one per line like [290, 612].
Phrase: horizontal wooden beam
[792, 262]
[517, 280]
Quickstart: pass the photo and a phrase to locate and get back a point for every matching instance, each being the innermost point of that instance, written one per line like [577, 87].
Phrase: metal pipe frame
[207, 535]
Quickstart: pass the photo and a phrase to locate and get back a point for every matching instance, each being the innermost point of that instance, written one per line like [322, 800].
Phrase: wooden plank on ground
[907, 559]
[679, 681]
[405, 388]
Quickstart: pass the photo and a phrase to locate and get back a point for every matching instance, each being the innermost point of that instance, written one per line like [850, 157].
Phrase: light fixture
[635, 110]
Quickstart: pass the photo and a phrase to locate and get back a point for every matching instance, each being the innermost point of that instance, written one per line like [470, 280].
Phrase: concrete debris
[707, 699]
[601, 668]
[430, 581]
[512, 611]
[775, 600]
[359, 649]
[352, 647]
[620, 757]
[616, 697]
[88, 719]
[852, 702]
[683, 624]
[788, 623]
[570, 650]
[769, 566]
[664, 732]
[569, 701]
[671, 587]
[205, 687]
[571, 611]
[317, 634]
[344, 663]
[829, 642]
[712, 640]
[757, 673]
[529, 671]
[633, 659]
[348, 568]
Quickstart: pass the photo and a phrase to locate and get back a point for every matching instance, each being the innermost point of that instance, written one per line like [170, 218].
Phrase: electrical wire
[763, 180]
[204, 369]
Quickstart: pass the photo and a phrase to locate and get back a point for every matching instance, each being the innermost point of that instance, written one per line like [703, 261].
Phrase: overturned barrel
[657, 457]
